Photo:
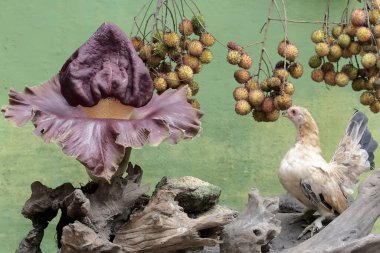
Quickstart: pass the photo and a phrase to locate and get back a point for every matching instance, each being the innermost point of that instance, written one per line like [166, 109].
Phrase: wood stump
[183, 216]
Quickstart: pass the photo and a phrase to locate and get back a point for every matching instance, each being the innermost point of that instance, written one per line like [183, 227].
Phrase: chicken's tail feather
[355, 153]
[358, 131]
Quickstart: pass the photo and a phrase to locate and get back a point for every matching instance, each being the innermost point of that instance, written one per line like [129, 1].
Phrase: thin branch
[279, 15]
[265, 37]
[285, 29]
[304, 21]
[253, 44]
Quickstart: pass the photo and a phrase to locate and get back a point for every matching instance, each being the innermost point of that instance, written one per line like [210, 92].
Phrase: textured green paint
[233, 152]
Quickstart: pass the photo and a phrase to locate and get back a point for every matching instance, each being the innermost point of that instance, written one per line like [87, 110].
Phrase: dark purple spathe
[106, 65]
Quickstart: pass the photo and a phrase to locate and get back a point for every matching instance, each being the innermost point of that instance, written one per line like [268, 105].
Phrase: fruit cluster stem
[265, 37]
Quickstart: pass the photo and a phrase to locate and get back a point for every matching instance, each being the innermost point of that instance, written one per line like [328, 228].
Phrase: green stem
[124, 163]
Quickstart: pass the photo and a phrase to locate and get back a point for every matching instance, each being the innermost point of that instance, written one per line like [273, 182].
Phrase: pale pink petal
[99, 144]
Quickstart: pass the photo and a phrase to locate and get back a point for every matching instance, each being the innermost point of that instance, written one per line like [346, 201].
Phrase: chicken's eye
[294, 112]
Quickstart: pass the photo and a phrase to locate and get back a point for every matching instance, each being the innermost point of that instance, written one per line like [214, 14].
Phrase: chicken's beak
[285, 113]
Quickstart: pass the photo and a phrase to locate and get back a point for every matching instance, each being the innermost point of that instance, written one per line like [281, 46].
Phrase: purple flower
[101, 104]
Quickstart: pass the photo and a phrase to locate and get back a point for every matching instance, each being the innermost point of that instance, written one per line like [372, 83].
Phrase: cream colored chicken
[320, 185]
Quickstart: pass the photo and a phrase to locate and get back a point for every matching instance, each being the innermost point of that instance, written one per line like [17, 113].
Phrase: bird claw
[313, 228]
[306, 216]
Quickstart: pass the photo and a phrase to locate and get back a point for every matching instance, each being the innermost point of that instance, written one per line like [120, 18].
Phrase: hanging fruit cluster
[175, 51]
[267, 98]
[357, 41]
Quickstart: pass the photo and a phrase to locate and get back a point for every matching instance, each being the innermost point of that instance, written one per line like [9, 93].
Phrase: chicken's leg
[306, 216]
[314, 227]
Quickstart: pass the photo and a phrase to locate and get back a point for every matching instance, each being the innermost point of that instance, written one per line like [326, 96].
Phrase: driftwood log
[254, 228]
[183, 216]
[163, 226]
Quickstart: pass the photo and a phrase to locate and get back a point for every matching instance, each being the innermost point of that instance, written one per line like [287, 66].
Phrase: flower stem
[124, 163]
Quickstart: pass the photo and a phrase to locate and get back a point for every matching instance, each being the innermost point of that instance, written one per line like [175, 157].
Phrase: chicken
[320, 185]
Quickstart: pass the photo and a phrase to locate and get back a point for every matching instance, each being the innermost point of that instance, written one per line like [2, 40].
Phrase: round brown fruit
[374, 16]
[358, 17]
[291, 52]
[337, 30]
[341, 79]
[283, 102]
[198, 69]
[268, 105]
[282, 74]
[358, 84]
[174, 53]
[242, 107]
[242, 75]
[296, 70]
[351, 71]
[256, 97]
[370, 84]
[330, 78]
[369, 60]
[367, 98]
[194, 87]
[264, 86]
[350, 29]
[145, 52]
[172, 80]
[317, 75]
[195, 48]
[189, 93]
[259, 116]
[281, 48]
[322, 49]
[330, 58]
[344, 40]
[315, 61]
[252, 84]
[186, 27]
[233, 46]
[375, 107]
[363, 34]
[160, 84]
[272, 116]
[154, 61]
[190, 61]
[376, 31]
[159, 49]
[207, 39]
[233, 57]
[346, 53]
[206, 56]
[137, 43]
[240, 93]
[354, 48]
[335, 51]
[246, 61]
[185, 73]
[289, 88]
[274, 83]
[318, 36]
[171, 39]
[327, 66]
[377, 93]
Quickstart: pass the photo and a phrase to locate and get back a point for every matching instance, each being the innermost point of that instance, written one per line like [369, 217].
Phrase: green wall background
[234, 152]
